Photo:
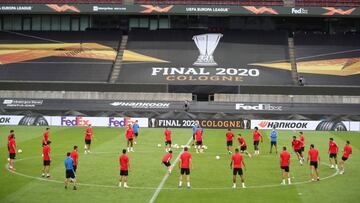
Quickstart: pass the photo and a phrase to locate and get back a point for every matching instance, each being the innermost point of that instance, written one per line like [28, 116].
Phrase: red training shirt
[242, 141]
[198, 135]
[9, 137]
[88, 133]
[229, 136]
[46, 153]
[167, 157]
[167, 135]
[285, 158]
[75, 156]
[12, 146]
[124, 162]
[296, 144]
[347, 151]
[302, 139]
[129, 133]
[185, 160]
[256, 136]
[333, 148]
[237, 159]
[45, 137]
[313, 154]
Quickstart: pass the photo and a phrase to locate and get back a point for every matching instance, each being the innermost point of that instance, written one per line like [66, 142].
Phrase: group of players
[185, 160]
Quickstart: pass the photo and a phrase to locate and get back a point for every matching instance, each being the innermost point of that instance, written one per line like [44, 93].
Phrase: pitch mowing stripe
[166, 176]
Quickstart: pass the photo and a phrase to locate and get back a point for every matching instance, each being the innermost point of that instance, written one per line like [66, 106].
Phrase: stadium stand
[59, 1]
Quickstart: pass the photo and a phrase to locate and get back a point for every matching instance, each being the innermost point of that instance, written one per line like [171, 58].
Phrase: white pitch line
[166, 176]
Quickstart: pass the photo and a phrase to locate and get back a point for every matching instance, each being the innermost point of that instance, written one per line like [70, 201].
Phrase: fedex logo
[78, 121]
[113, 122]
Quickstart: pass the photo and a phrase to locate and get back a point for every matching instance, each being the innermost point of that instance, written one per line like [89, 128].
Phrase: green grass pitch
[210, 178]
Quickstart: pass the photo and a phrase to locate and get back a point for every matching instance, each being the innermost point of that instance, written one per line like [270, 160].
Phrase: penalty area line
[166, 176]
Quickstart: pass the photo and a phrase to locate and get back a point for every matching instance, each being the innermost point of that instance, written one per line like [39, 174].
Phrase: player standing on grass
[242, 145]
[302, 139]
[314, 162]
[273, 140]
[10, 137]
[194, 128]
[166, 160]
[88, 137]
[129, 138]
[333, 150]
[167, 134]
[296, 145]
[69, 171]
[185, 164]
[46, 159]
[136, 130]
[12, 150]
[45, 137]
[237, 161]
[347, 151]
[257, 137]
[199, 141]
[229, 140]
[75, 156]
[124, 168]
[284, 165]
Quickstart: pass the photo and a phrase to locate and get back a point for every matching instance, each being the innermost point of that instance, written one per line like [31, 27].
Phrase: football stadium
[158, 101]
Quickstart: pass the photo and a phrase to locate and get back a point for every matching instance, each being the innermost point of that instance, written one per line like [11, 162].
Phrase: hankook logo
[142, 105]
[259, 107]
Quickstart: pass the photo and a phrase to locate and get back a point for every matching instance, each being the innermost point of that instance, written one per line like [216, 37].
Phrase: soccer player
[166, 160]
[237, 161]
[136, 130]
[46, 159]
[284, 165]
[12, 151]
[75, 156]
[296, 145]
[346, 153]
[124, 168]
[69, 171]
[229, 140]
[10, 137]
[185, 164]
[273, 140]
[129, 138]
[45, 137]
[314, 162]
[302, 139]
[257, 137]
[333, 150]
[88, 137]
[194, 128]
[167, 134]
[242, 145]
[199, 141]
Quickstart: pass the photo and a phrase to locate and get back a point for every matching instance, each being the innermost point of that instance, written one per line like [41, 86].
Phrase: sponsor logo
[5, 120]
[77, 121]
[259, 107]
[261, 10]
[142, 105]
[22, 103]
[113, 122]
[180, 123]
[283, 125]
[206, 44]
[299, 11]
[63, 8]
[207, 9]
[108, 8]
[334, 11]
[156, 9]
[16, 8]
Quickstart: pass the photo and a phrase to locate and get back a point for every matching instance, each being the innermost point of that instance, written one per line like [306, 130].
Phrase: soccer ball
[177, 147]
[217, 157]
[8, 159]
[159, 145]
[204, 147]
[19, 151]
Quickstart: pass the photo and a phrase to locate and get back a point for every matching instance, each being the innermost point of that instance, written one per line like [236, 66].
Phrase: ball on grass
[19, 151]
[217, 157]
[159, 145]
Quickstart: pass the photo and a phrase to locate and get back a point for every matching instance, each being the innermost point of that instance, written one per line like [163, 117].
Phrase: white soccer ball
[217, 157]
[159, 145]
[204, 147]
[8, 159]
[19, 151]
[177, 147]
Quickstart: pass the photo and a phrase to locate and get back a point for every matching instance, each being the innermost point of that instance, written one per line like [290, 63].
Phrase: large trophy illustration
[206, 44]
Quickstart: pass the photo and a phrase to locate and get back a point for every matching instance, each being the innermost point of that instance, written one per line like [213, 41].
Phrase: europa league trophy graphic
[153, 122]
[206, 44]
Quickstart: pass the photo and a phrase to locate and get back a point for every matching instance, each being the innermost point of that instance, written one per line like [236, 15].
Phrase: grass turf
[210, 178]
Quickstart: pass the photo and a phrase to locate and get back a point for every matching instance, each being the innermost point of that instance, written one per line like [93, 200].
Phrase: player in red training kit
[257, 137]
[237, 161]
[10, 137]
[296, 145]
[302, 139]
[12, 150]
[229, 140]
[167, 134]
[199, 141]
[88, 137]
[242, 145]
[75, 156]
[129, 138]
[166, 160]
[347, 151]
[46, 159]
[285, 166]
[185, 164]
[45, 137]
[314, 158]
[333, 150]
[124, 168]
